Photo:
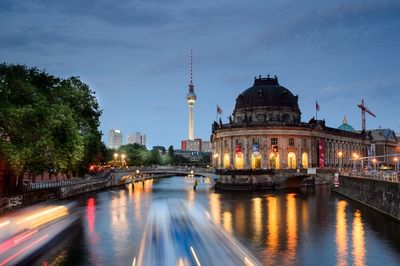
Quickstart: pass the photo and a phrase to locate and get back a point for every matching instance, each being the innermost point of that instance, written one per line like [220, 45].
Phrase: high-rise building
[137, 137]
[114, 138]
[191, 99]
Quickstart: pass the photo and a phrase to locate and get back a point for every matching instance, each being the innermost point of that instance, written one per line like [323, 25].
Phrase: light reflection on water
[296, 228]
[341, 233]
[358, 240]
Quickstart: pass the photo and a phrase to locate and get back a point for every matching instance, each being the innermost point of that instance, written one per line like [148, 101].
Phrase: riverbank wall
[381, 195]
[11, 203]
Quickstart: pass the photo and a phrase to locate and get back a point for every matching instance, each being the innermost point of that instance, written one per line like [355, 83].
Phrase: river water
[302, 227]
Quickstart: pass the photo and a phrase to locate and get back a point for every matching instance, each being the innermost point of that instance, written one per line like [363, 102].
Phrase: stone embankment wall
[26, 199]
[381, 195]
[69, 191]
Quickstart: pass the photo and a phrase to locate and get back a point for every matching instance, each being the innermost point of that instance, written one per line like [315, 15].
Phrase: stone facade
[266, 132]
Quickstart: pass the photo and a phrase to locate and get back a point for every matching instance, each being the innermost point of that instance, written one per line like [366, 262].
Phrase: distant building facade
[136, 137]
[114, 138]
[385, 143]
[197, 145]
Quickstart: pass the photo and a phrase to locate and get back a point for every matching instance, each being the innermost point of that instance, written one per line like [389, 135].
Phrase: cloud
[119, 13]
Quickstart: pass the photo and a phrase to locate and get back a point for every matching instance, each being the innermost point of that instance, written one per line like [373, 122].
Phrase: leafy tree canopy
[47, 123]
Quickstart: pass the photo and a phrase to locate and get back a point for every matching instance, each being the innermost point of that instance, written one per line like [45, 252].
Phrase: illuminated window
[274, 160]
[291, 160]
[239, 160]
[304, 160]
[227, 162]
[256, 160]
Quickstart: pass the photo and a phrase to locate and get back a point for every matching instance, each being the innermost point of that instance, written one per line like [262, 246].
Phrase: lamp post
[123, 160]
[396, 164]
[340, 154]
[355, 157]
[115, 159]
[374, 161]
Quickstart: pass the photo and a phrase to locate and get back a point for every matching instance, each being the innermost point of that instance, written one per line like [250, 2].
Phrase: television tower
[191, 98]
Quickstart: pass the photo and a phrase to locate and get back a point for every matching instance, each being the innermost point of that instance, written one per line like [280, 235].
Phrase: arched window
[291, 160]
[227, 162]
[256, 160]
[239, 160]
[274, 160]
[304, 160]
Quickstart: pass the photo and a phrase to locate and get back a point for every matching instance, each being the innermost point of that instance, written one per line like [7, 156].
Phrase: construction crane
[363, 110]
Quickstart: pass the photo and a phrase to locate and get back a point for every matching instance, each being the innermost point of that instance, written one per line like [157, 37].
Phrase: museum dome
[266, 92]
[345, 126]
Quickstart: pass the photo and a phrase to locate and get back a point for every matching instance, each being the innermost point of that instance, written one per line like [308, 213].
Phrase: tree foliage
[47, 123]
[136, 154]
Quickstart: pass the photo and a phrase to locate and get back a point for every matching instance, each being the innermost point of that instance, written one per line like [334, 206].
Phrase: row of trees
[47, 123]
[137, 155]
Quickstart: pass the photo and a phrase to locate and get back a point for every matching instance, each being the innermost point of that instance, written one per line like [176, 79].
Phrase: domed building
[345, 126]
[265, 131]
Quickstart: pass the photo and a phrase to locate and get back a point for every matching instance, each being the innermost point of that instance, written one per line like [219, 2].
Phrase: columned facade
[265, 132]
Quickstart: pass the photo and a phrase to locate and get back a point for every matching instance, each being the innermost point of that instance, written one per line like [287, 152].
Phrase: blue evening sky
[134, 54]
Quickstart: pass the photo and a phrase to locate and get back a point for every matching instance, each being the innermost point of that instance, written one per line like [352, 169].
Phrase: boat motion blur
[177, 233]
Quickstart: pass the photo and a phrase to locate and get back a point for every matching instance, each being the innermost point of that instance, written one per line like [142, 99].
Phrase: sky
[134, 55]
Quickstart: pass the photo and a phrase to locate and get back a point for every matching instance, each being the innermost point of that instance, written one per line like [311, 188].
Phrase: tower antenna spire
[191, 66]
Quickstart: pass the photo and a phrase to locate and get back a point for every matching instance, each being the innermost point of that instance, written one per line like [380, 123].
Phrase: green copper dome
[345, 126]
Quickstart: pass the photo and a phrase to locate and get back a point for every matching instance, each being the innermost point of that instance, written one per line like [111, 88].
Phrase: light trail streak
[195, 256]
[4, 223]
[4, 262]
[23, 237]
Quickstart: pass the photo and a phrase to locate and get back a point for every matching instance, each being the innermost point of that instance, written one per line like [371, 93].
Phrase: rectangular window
[291, 142]
[274, 141]
[304, 142]
[255, 141]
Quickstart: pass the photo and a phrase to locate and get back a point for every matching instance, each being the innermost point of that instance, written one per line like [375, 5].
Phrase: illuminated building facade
[265, 132]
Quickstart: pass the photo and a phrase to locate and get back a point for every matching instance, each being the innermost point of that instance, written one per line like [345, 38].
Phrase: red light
[6, 245]
[91, 214]
[4, 262]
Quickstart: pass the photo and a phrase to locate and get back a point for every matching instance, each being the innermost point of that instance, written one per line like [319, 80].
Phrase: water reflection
[305, 228]
[240, 219]
[227, 221]
[291, 216]
[215, 207]
[341, 233]
[257, 218]
[273, 226]
[191, 196]
[358, 240]
[139, 189]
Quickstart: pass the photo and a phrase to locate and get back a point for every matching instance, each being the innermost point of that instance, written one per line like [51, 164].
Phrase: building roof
[266, 92]
[385, 134]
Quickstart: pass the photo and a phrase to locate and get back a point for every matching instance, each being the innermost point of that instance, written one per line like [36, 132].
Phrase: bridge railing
[57, 184]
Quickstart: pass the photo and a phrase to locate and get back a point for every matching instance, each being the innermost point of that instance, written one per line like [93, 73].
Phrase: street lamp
[396, 165]
[374, 161]
[355, 157]
[115, 156]
[123, 160]
[340, 154]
